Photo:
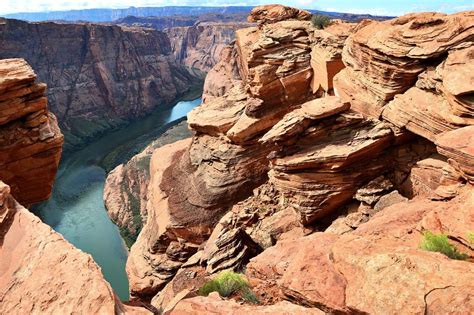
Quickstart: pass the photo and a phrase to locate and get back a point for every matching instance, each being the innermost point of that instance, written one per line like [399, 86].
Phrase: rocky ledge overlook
[318, 160]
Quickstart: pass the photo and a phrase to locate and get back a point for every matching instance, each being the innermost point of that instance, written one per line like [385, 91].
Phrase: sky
[378, 7]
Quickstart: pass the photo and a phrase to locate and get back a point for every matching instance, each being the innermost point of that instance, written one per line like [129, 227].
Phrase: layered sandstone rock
[326, 54]
[273, 13]
[316, 158]
[126, 186]
[97, 75]
[214, 304]
[223, 76]
[458, 147]
[30, 140]
[384, 59]
[359, 271]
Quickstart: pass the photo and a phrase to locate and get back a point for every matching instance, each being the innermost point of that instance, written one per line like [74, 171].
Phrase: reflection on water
[76, 208]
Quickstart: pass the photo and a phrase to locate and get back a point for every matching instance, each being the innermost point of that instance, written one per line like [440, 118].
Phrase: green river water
[76, 208]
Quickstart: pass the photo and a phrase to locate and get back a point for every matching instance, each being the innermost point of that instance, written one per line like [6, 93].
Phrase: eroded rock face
[384, 59]
[30, 139]
[266, 14]
[223, 76]
[97, 75]
[350, 273]
[41, 273]
[200, 46]
[324, 162]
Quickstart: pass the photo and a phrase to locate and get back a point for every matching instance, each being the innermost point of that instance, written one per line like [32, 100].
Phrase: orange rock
[42, 273]
[30, 139]
[458, 146]
[361, 270]
[275, 12]
[215, 305]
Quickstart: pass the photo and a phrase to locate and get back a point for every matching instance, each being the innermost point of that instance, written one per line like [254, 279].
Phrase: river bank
[76, 208]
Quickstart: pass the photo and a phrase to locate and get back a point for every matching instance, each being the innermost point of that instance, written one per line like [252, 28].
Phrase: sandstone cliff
[97, 75]
[125, 191]
[199, 46]
[40, 272]
[30, 140]
[317, 168]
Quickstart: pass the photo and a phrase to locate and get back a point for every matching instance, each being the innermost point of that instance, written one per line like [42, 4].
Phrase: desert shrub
[227, 283]
[320, 21]
[470, 237]
[248, 296]
[440, 243]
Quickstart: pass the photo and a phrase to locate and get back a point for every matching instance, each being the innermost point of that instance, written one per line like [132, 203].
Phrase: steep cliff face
[40, 272]
[97, 75]
[199, 46]
[126, 187]
[318, 122]
[30, 140]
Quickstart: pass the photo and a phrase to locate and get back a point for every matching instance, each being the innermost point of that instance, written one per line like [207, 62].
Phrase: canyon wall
[98, 76]
[199, 46]
[317, 169]
[40, 272]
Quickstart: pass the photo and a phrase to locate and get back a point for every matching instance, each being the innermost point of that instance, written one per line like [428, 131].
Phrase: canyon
[98, 76]
[315, 164]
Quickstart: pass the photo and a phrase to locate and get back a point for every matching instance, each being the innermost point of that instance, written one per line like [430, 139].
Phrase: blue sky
[380, 7]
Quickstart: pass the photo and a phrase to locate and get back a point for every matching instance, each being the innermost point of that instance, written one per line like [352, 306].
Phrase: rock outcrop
[126, 186]
[359, 271]
[98, 76]
[320, 125]
[30, 140]
[42, 273]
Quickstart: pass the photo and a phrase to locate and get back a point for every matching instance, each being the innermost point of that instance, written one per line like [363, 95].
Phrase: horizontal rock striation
[30, 139]
[360, 131]
[384, 59]
[98, 75]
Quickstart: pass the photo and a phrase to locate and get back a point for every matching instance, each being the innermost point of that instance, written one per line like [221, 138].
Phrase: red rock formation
[384, 59]
[273, 13]
[223, 76]
[320, 158]
[200, 46]
[359, 271]
[98, 75]
[30, 140]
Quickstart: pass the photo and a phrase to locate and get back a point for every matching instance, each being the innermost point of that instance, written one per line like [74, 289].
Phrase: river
[76, 208]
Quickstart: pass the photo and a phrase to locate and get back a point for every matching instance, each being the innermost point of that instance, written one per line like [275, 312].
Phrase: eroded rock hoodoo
[362, 130]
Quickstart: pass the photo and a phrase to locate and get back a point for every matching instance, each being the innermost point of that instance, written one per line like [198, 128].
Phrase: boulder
[272, 13]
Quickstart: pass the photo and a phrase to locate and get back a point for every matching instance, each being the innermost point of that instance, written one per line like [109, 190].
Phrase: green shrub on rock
[440, 243]
[228, 283]
[320, 21]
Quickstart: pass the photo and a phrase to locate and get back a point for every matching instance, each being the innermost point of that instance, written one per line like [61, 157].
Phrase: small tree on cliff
[320, 21]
